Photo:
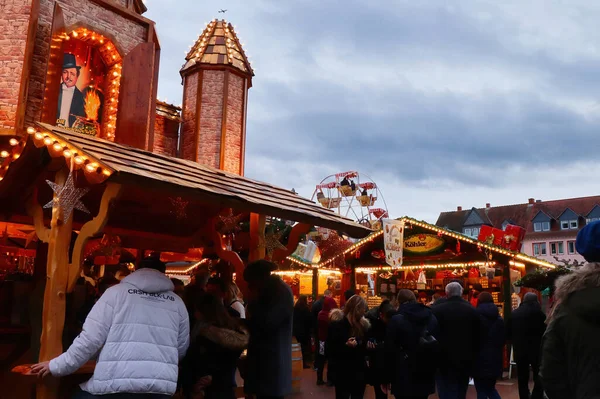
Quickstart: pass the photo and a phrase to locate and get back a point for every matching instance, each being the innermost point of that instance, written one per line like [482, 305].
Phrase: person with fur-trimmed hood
[346, 349]
[571, 350]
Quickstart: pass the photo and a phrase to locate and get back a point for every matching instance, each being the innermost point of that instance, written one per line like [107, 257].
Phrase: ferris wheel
[352, 195]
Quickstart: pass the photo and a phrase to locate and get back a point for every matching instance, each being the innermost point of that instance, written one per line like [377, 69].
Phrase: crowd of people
[151, 339]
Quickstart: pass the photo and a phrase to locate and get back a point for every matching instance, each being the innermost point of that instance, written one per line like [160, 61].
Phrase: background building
[551, 226]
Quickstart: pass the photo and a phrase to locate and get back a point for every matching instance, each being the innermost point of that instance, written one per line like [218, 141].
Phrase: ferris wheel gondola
[352, 195]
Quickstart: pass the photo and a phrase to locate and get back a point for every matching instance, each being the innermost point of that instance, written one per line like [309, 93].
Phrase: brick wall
[165, 136]
[188, 127]
[13, 39]
[235, 114]
[126, 34]
[211, 115]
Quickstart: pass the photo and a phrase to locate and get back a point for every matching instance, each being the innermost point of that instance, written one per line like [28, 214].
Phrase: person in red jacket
[323, 326]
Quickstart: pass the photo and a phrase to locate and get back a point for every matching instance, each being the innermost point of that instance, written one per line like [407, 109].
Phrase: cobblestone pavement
[507, 389]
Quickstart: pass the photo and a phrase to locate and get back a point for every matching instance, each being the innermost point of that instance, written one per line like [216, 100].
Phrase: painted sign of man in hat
[70, 98]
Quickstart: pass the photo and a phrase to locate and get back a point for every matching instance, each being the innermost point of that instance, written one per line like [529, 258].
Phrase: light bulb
[67, 153]
[38, 136]
[13, 142]
[75, 34]
[91, 167]
[4, 154]
[16, 156]
[79, 160]
[30, 130]
[48, 140]
[57, 147]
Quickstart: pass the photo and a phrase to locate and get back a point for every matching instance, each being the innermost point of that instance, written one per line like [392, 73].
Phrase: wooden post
[257, 237]
[315, 283]
[53, 315]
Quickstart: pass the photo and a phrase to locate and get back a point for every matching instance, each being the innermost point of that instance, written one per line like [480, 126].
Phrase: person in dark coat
[379, 318]
[217, 342]
[525, 329]
[346, 349]
[488, 367]
[269, 317]
[302, 327]
[317, 306]
[571, 350]
[410, 372]
[329, 304]
[459, 337]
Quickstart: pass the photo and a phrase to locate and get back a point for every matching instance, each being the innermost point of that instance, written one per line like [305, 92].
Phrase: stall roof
[128, 165]
[515, 256]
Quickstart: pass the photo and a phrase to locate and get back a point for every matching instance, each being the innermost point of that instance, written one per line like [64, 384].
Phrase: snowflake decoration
[67, 197]
[272, 242]
[230, 224]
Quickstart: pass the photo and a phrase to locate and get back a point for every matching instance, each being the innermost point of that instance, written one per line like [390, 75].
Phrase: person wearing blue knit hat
[571, 349]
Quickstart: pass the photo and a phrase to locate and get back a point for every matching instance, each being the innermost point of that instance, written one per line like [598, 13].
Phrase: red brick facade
[13, 42]
[235, 116]
[125, 33]
[203, 143]
[166, 129]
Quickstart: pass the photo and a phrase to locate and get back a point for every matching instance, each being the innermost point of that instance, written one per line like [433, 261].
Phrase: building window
[571, 248]
[541, 226]
[557, 248]
[472, 232]
[569, 224]
[539, 249]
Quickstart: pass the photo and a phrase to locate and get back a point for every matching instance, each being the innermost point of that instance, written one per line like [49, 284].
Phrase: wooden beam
[257, 237]
[53, 315]
[34, 209]
[89, 230]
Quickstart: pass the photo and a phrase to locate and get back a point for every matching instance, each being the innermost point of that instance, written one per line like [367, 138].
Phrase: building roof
[122, 164]
[169, 111]
[218, 45]
[519, 214]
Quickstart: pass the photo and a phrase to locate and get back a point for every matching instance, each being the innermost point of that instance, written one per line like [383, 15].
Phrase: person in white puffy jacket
[141, 329]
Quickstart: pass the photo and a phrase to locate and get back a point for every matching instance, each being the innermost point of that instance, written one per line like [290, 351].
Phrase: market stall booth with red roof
[432, 257]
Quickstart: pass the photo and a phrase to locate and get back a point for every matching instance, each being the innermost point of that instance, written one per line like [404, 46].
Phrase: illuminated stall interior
[441, 255]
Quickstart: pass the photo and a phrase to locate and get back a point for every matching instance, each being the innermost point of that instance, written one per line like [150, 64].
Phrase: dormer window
[569, 224]
[472, 232]
[541, 226]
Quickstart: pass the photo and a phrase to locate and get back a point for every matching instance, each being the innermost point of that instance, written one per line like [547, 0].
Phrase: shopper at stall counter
[459, 337]
[525, 329]
[141, 329]
[571, 350]
[269, 318]
[488, 366]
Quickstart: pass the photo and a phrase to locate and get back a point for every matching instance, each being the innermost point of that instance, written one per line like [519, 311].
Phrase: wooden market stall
[433, 256]
[74, 188]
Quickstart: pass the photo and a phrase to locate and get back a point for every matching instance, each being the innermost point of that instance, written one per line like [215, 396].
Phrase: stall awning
[132, 166]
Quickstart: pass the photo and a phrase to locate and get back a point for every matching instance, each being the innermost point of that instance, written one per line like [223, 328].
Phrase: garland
[541, 279]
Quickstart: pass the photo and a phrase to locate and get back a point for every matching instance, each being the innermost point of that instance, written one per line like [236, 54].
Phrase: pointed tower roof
[218, 45]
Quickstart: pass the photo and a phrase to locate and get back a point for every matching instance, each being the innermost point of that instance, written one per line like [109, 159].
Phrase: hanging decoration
[179, 207]
[334, 245]
[67, 197]
[272, 241]
[393, 241]
[229, 224]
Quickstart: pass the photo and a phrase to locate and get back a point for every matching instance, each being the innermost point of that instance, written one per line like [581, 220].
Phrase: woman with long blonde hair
[346, 348]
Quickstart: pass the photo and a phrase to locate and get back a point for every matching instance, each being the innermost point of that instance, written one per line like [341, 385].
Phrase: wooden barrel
[297, 366]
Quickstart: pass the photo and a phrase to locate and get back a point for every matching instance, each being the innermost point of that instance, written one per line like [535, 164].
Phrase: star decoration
[31, 237]
[230, 223]
[272, 242]
[180, 207]
[67, 197]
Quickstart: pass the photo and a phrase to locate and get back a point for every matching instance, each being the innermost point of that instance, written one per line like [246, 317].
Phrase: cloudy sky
[441, 103]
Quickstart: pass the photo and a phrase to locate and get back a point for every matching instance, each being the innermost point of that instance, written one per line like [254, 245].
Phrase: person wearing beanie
[571, 350]
[525, 329]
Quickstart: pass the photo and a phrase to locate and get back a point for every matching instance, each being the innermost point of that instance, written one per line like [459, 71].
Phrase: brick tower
[216, 79]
